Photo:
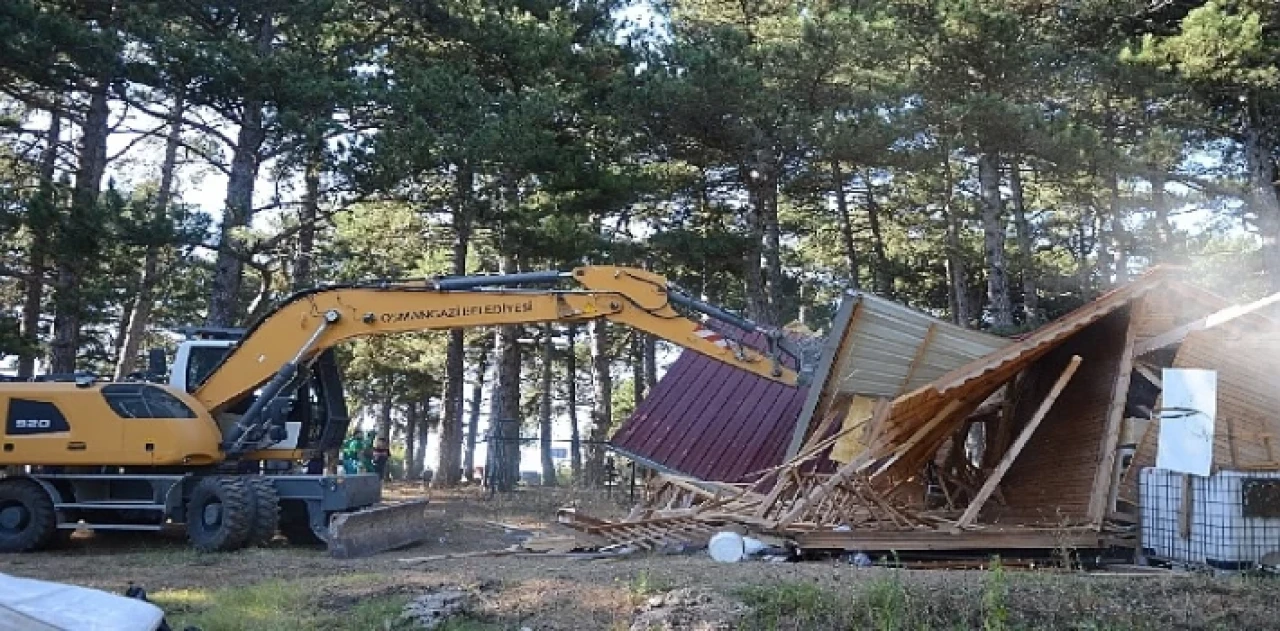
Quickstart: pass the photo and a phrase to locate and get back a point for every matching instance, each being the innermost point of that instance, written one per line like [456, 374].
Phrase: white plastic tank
[1230, 520]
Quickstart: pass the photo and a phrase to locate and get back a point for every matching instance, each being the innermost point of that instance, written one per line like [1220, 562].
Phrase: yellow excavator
[223, 442]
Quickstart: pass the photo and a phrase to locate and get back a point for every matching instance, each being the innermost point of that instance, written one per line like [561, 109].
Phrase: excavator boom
[272, 351]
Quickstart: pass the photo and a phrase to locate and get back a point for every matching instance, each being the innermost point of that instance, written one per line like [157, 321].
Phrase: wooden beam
[998, 440]
[1148, 373]
[947, 412]
[822, 378]
[812, 451]
[1102, 486]
[918, 358]
[1012, 538]
[845, 472]
[993, 481]
[1177, 335]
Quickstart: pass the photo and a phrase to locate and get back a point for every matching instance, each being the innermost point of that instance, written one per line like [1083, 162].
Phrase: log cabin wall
[1052, 480]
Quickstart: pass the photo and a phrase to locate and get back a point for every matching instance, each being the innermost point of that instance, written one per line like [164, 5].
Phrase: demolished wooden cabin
[1021, 447]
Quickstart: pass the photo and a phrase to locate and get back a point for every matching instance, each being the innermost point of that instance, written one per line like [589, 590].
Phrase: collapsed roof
[932, 467]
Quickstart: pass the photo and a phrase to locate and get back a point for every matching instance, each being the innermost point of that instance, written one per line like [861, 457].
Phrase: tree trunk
[424, 429]
[507, 393]
[1026, 249]
[228, 274]
[39, 219]
[302, 262]
[1160, 205]
[473, 422]
[544, 409]
[1119, 236]
[451, 434]
[957, 271]
[412, 466]
[846, 223]
[1082, 254]
[602, 411]
[883, 275]
[772, 237]
[140, 316]
[993, 227]
[127, 304]
[637, 366]
[384, 412]
[755, 282]
[571, 400]
[1258, 151]
[79, 242]
[650, 362]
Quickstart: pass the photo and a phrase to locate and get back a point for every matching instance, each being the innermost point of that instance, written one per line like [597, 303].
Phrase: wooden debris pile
[1016, 449]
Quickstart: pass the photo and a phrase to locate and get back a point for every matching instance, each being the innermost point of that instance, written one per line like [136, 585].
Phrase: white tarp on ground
[30, 605]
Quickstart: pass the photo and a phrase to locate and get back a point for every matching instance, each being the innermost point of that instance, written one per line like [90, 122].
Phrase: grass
[995, 596]
[793, 605]
[887, 601]
[643, 585]
[469, 624]
[271, 605]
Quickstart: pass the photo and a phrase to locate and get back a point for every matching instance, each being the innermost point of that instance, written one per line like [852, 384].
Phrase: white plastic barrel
[727, 547]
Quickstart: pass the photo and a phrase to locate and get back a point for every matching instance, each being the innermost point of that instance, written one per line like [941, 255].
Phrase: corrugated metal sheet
[712, 421]
[892, 349]
[879, 348]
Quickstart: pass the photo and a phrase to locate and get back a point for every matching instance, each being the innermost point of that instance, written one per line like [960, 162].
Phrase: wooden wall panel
[1247, 428]
[1051, 481]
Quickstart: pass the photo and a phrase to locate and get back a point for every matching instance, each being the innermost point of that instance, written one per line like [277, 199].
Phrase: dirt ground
[559, 593]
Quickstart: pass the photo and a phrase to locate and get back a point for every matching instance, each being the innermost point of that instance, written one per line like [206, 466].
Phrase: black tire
[266, 511]
[27, 519]
[219, 514]
[295, 525]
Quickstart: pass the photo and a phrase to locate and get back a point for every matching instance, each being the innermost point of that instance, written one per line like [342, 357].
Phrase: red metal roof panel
[712, 421]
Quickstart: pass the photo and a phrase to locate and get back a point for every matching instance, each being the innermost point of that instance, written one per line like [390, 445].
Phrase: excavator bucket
[378, 529]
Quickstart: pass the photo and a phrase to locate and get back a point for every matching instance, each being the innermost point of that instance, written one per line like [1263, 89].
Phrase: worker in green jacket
[352, 450]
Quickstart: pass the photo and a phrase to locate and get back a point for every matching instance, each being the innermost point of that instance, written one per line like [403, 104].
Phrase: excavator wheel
[266, 511]
[220, 514]
[27, 519]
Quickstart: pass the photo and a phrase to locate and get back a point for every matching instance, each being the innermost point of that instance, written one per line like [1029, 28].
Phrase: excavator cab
[306, 419]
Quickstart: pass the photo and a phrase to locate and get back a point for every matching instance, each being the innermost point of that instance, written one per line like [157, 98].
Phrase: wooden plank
[999, 441]
[461, 555]
[814, 450]
[993, 481]
[920, 540]
[1102, 495]
[785, 480]
[855, 466]
[1149, 374]
[947, 412]
[835, 349]
[1177, 335]
[1184, 511]
[918, 358]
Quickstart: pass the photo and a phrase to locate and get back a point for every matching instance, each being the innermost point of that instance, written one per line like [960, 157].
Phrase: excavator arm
[273, 351]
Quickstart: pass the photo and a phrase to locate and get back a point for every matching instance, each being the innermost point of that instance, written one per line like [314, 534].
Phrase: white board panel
[1187, 418]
